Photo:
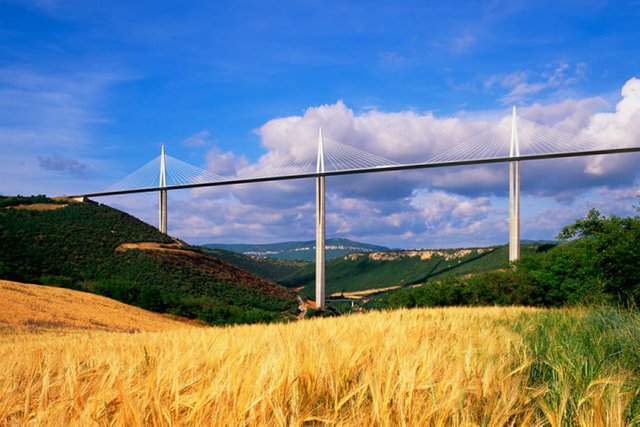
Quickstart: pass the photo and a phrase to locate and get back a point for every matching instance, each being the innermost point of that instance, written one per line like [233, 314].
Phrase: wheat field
[28, 308]
[421, 367]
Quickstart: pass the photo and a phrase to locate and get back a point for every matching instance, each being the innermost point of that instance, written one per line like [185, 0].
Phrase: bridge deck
[389, 168]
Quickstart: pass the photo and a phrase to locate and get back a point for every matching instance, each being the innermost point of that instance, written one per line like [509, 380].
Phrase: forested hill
[274, 269]
[95, 248]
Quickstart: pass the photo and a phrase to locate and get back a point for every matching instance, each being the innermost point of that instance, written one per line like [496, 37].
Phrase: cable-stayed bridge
[510, 142]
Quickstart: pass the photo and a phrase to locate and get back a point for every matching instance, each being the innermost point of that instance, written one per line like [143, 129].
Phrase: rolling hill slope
[268, 268]
[84, 246]
[376, 270]
[304, 251]
[36, 308]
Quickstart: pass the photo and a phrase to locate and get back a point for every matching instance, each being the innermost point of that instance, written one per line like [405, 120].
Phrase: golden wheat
[35, 308]
[455, 366]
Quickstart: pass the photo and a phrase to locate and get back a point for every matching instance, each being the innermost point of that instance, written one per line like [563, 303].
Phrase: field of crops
[30, 308]
[451, 366]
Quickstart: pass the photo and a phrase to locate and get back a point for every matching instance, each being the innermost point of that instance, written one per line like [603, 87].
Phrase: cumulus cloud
[225, 163]
[220, 215]
[621, 128]
[446, 213]
[569, 115]
[403, 137]
[472, 179]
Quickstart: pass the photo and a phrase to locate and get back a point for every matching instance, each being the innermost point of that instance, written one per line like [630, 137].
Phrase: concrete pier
[162, 203]
[514, 192]
[162, 220]
[320, 225]
[320, 241]
[514, 211]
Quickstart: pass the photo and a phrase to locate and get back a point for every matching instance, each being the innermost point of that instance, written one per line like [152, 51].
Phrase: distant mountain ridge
[335, 248]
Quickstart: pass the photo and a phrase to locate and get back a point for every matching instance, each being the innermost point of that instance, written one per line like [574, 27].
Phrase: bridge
[511, 142]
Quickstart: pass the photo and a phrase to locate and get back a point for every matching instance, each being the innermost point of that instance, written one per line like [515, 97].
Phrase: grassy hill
[487, 366]
[268, 268]
[37, 309]
[596, 263]
[304, 251]
[75, 245]
[373, 270]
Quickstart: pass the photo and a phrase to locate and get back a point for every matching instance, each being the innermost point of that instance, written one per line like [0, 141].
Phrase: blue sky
[90, 90]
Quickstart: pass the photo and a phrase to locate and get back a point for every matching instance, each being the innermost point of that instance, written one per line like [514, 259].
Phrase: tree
[614, 242]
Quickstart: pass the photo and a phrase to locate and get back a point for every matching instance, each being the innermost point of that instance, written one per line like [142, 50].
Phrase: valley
[370, 271]
[303, 251]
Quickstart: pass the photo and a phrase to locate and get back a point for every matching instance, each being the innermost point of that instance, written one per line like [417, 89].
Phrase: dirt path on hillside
[40, 207]
[155, 246]
[364, 293]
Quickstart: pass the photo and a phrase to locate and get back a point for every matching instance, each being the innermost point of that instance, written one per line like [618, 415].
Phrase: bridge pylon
[514, 192]
[162, 204]
[320, 225]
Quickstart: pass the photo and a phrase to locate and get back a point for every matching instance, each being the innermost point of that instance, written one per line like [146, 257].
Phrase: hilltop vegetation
[597, 263]
[75, 247]
[13, 201]
[304, 251]
[454, 366]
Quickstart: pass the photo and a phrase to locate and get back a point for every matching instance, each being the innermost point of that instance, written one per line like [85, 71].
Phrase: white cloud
[523, 85]
[620, 128]
[225, 163]
[481, 178]
[198, 139]
[447, 213]
[570, 115]
[405, 136]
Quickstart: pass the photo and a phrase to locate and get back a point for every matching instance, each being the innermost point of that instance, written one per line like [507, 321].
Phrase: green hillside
[75, 246]
[597, 263]
[268, 268]
[304, 251]
[373, 270]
